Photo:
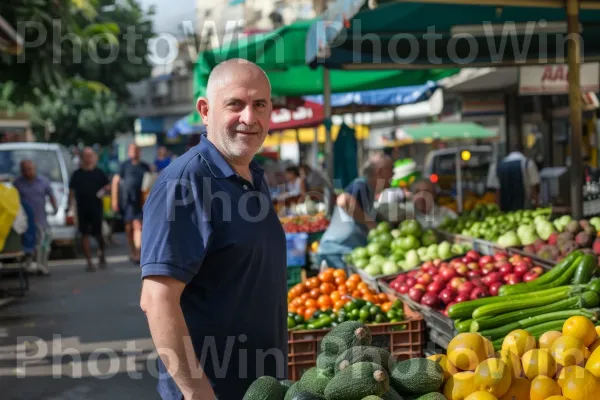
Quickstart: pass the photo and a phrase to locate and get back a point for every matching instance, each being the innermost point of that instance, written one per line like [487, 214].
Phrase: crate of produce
[294, 276]
[296, 246]
[404, 339]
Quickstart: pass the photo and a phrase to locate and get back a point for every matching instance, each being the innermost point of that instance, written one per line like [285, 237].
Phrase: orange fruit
[313, 283]
[326, 276]
[292, 308]
[363, 287]
[369, 297]
[342, 289]
[383, 298]
[339, 304]
[355, 278]
[314, 293]
[305, 296]
[309, 312]
[335, 296]
[310, 303]
[387, 306]
[351, 285]
[301, 310]
[357, 294]
[339, 281]
[327, 288]
[339, 273]
[325, 302]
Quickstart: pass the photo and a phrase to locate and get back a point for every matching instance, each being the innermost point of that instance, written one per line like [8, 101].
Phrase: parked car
[54, 162]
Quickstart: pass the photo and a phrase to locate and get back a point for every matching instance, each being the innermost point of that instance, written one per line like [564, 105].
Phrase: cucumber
[544, 279]
[539, 319]
[565, 278]
[585, 270]
[585, 300]
[534, 300]
[463, 326]
[465, 310]
[539, 330]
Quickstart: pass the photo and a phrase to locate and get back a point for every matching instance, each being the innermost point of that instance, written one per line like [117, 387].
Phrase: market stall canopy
[442, 33]
[390, 97]
[443, 131]
[10, 41]
[186, 126]
[280, 53]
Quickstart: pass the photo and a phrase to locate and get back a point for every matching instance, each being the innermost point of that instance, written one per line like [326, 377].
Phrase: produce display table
[405, 339]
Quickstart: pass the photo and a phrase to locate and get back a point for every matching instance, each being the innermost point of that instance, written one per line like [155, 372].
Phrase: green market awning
[448, 33]
[281, 53]
[443, 131]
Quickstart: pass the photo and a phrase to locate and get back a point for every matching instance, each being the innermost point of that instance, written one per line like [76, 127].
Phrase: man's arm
[160, 301]
[350, 205]
[115, 192]
[51, 198]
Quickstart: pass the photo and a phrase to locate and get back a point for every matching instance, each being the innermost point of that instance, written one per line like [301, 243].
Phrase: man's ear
[202, 107]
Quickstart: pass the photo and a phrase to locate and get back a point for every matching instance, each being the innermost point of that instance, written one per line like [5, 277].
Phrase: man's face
[386, 173]
[88, 158]
[162, 152]
[133, 152]
[424, 197]
[239, 113]
[28, 170]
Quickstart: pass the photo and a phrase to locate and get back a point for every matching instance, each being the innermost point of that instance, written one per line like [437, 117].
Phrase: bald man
[87, 188]
[214, 251]
[354, 215]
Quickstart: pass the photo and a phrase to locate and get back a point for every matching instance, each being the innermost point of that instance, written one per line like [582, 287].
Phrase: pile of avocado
[349, 368]
[355, 310]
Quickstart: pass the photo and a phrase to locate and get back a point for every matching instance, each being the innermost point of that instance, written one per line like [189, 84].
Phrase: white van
[54, 162]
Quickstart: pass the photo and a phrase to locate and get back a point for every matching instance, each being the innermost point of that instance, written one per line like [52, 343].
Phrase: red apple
[401, 278]
[426, 266]
[473, 266]
[486, 260]
[415, 294]
[446, 296]
[478, 293]
[419, 286]
[538, 270]
[430, 299]
[495, 287]
[515, 258]
[461, 269]
[521, 268]
[403, 288]
[506, 269]
[512, 279]
[437, 262]
[465, 260]
[410, 281]
[447, 273]
[435, 287]
[487, 268]
[413, 273]
[424, 279]
[461, 298]
[529, 276]
[500, 256]
[527, 260]
[456, 282]
[492, 277]
[473, 255]
[473, 274]
[465, 286]
[439, 278]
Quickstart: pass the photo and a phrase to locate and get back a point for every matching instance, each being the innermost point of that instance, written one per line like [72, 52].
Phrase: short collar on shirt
[217, 165]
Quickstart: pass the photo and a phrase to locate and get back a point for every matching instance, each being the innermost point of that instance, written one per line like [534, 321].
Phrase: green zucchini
[585, 270]
[534, 300]
[544, 279]
[465, 310]
[587, 299]
[565, 278]
[539, 319]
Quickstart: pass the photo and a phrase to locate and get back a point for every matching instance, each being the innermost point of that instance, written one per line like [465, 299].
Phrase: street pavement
[78, 335]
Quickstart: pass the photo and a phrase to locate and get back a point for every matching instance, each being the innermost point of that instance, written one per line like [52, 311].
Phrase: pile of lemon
[560, 366]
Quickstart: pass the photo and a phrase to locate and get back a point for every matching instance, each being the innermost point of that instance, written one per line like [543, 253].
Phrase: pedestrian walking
[34, 190]
[87, 187]
[127, 198]
[215, 271]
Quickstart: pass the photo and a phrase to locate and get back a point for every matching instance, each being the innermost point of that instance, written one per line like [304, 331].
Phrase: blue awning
[184, 127]
[150, 125]
[391, 97]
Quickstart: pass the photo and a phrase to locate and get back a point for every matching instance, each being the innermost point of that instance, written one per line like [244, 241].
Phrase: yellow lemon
[581, 328]
[543, 387]
[489, 347]
[598, 330]
[574, 370]
[519, 390]
[446, 365]
[576, 387]
[557, 398]
[481, 396]
[493, 376]
[548, 338]
[459, 386]
[519, 342]
[538, 362]
[467, 350]
[568, 350]
[513, 362]
[593, 363]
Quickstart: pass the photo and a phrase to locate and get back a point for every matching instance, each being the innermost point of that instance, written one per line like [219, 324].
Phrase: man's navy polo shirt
[208, 227]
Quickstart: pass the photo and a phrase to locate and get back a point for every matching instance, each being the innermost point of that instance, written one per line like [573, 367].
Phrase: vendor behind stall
[354, 212]
[424, 207]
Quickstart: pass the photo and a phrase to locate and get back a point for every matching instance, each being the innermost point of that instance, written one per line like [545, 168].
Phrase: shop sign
[553, 79]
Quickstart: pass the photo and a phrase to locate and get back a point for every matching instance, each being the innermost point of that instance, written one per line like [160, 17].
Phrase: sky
[169, 13]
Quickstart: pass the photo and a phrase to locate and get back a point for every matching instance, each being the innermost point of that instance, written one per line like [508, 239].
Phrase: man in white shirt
[516, 180]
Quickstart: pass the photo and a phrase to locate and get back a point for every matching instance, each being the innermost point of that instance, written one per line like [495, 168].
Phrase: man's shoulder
[188, 165]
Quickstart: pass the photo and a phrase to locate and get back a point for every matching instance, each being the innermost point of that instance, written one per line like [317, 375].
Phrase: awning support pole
[327, 111]
[574, 55]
